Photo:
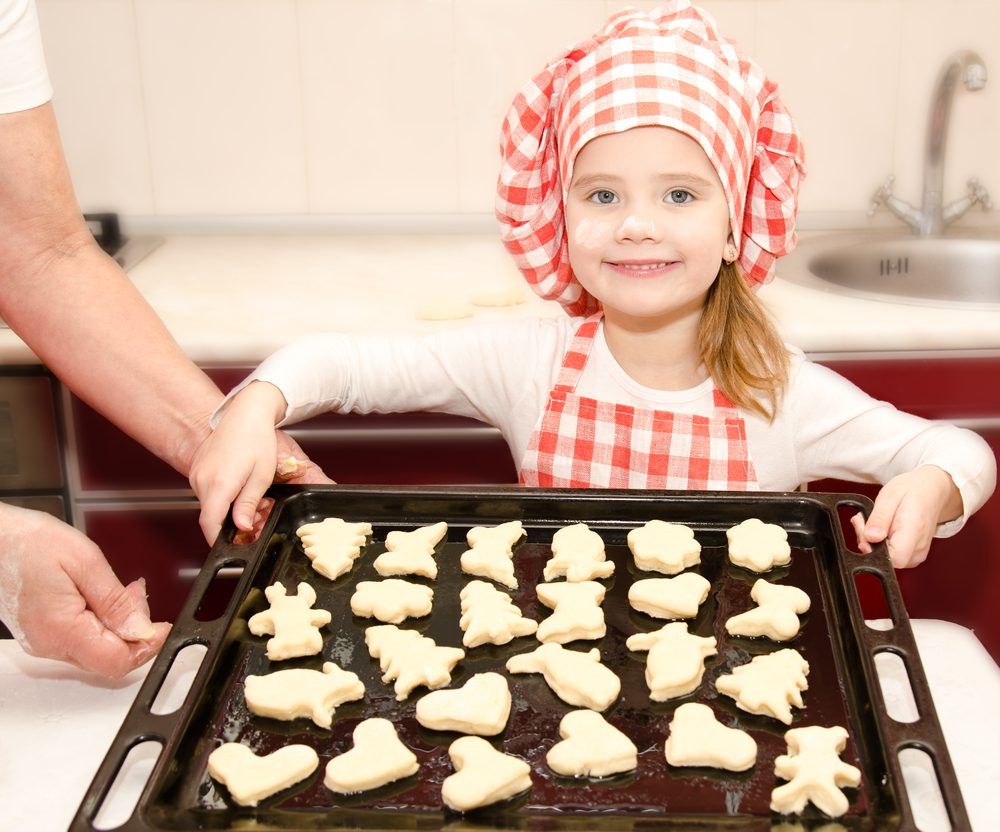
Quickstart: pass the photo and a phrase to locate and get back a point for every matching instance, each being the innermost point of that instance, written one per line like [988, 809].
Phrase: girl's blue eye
[679, 197]
[603, 197]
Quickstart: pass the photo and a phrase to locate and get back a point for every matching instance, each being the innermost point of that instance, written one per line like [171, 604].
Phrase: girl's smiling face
[648, 222]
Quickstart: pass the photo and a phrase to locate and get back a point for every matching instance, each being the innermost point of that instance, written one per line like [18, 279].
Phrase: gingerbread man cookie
[591, 747]
[333, 545]
[410, 658]
[676, 660]
[392, 600]
[577, 678]
[815, 772]
[768, 685]
[378, 757]
[577, 553]
[411, 553]
[481, 706]
[290, 694]
[491, 552]
[758, 546]
[777, 613]
[490, 617]
[577, 612]
[697, 738]
[677, 597]
[292, 622]
[483, 775]
[250, 778]
[664, 547]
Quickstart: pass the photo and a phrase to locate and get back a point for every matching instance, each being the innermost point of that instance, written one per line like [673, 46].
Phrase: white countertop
[234, 299]
[56, 724]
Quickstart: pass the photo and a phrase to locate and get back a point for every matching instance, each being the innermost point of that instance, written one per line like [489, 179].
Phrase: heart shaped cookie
[481, 706]
[591, 747]
[482, 775]
[250, 778]
[378, 757]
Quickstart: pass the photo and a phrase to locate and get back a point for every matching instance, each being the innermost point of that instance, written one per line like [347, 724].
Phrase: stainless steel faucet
[933, 215]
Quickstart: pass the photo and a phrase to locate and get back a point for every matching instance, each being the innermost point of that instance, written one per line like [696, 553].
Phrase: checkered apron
[584, 443]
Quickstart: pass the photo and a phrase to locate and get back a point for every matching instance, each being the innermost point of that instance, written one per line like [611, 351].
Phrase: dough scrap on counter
[777, 613]
[576, 611]
[410, 658]
[676, 661]
[758, 546]
[697, 738]
[411, 553]
[491, 552]
[577, 678]
[483, 775]
[768, 685]
[444, 310]
[664, 547]
[333, 544]
[577, 553]
[292, 622]
[591, 747]
[378, 757]
[815, 772]
[677, 597]
[481, 707]
[290, 694]
[250, 778]
[489, 616]
[392, 600]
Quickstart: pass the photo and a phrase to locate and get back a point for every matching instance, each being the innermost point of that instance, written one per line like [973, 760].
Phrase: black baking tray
[839, 646]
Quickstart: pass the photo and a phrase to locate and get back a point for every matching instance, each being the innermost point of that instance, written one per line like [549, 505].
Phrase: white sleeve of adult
[844, 433]
[24, 78]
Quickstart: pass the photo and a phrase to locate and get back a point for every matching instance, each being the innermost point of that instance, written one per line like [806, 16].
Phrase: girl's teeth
[644, 268]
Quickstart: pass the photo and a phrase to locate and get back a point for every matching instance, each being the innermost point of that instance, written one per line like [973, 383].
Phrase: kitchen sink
[942, 271]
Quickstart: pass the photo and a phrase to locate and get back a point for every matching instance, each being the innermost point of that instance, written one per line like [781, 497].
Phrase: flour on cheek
[591, 233]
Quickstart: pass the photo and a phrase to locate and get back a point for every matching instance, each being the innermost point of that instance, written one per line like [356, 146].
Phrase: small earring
[730, 256]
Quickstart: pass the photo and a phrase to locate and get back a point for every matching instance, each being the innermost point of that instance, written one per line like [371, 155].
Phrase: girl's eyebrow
[604, 179]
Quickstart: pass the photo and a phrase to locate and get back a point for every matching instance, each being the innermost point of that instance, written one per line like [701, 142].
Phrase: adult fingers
[91, 646]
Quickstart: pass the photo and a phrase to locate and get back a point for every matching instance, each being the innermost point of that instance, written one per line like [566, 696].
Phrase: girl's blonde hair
[740, 345]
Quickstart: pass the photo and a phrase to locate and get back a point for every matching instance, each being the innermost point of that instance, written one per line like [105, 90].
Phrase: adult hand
[907, 512]
[61, 600]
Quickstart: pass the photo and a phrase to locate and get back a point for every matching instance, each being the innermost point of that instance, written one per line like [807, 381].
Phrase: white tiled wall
[288, 108]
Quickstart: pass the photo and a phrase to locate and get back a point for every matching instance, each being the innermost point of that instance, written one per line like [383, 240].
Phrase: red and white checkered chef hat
[671, 68]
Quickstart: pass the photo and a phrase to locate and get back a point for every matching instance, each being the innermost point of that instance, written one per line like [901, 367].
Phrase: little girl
[649, 181]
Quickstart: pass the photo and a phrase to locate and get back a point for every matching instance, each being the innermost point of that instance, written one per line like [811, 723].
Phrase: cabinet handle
[982, 423]
[334, 437]
[189, 573]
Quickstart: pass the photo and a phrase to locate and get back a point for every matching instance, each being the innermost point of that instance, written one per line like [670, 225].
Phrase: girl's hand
[907, 512]
[236, 464]
[61, 600]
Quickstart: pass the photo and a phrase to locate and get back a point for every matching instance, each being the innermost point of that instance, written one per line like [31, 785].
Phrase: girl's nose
[638, 229]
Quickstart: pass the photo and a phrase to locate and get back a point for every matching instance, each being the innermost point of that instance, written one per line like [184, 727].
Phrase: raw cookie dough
[591, 747]
[758, 546]
[776, 617]
[664, 547]
[676, 660]
[411, 553]
[333, 545]
[410, 658]
[491, 552]
[677, 597]
[481, 706]
[576, 612]
[768, 685]
[815, 771]
[378, 757]
[697, 738]
[444, 310]
[490, 617]
[392, 600]
[577, 678]
[292, 622]
[290, 694]
[250, 778]
[482, 775]
[577, 553]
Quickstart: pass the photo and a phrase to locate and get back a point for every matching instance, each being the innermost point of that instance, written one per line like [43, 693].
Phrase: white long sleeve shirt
[502, 373]
[24, 79]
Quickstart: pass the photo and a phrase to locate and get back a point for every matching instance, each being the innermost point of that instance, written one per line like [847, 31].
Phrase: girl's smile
[642, 269]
